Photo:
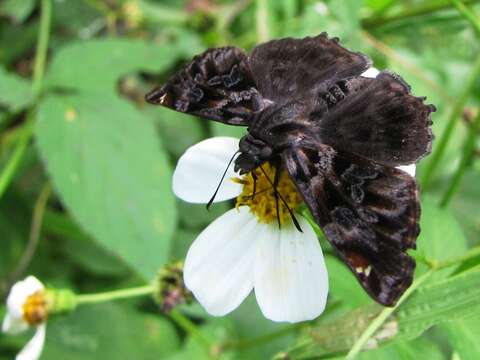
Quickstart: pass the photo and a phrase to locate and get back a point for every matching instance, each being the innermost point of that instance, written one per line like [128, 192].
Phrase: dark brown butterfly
[338, 134]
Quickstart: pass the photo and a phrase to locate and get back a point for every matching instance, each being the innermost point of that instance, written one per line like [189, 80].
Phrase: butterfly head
[253, 152]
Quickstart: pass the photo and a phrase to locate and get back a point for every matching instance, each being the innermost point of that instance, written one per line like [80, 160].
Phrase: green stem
[468, 149]
[411, 12]
[262, 21]
[457, 110]
[468, 14]
[115, 295]
[12, 164]
[35, 229]
[190, 328]
[383, 316]
[8, 172]
[42, 46]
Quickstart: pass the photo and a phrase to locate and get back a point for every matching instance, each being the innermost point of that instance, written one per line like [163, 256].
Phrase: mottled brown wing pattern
[217, 85]
[379, 119]
[287, 68]
[369, 213]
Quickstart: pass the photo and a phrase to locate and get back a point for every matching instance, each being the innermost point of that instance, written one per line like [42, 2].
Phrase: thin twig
[457, 110]
[468, 151]
[468, 14]
[410, 12]
[262, 21]
[35, 230]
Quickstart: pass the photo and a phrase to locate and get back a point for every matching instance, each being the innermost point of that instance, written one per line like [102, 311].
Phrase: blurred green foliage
[111, 220]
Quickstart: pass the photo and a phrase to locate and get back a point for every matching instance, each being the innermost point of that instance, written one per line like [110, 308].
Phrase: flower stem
[457, 110]
[42, 46]
[383, 316]
[115, 295]
[468, 149]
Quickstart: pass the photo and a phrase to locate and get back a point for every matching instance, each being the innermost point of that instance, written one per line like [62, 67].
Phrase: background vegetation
[85, 170]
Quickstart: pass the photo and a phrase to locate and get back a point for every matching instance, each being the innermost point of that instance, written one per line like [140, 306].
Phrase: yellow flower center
[35, 309]
[263, 204]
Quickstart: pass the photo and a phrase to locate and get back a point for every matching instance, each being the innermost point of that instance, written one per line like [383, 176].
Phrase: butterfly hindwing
[216, 85]
[287, 68]
[379, 119]
[369, 213]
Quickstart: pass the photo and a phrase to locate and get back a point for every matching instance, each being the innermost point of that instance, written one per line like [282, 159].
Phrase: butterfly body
[339, 135]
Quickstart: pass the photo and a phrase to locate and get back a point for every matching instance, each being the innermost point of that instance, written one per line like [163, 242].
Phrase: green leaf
[81, 249]
[15, 92]
[463, 336]
[440, 237]
[421, 348]
[98, 64]
[178, 131]
[109, 331]
[451, 299]
[17, 10]
[107, 165]
[219, 129]
[465, 204]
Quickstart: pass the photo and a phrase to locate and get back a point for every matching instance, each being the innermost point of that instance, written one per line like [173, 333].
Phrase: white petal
[410, 169]
[34, 347]
[13, 325]
[291, 282]
[219, 264]
[200, 169]
[19, 293]
[371, 72]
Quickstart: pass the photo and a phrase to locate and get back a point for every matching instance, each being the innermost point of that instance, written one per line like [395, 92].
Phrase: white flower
[25, 309]
[237, 253]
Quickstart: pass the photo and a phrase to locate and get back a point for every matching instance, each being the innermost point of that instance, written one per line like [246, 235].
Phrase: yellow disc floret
[263, 204]
[35, 309]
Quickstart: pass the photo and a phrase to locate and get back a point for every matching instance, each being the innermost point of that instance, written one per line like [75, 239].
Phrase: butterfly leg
[276, 180]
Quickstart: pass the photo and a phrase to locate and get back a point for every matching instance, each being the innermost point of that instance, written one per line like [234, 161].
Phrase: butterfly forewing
[216, 85]
[368, 212]
[287, 68]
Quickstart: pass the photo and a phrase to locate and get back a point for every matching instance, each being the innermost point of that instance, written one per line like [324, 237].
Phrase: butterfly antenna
[254, 177]
[294, 219]
[210, 202]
